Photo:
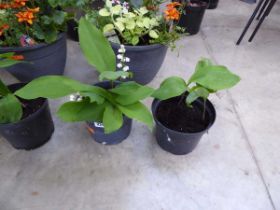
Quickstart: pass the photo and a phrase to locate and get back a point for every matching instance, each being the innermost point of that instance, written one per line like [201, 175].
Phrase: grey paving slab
[232, 167]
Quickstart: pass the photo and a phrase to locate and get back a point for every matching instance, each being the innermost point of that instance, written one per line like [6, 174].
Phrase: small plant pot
[96, 129]
[36, 127]
[145, 61]
[177, 129]
[193, 17]
[42, 59]
[212, 4]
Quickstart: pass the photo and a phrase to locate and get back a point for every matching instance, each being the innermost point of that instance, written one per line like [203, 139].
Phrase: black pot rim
[29, 48]
[29, 117]
[138, 47]
[203, 4]
[155, 105]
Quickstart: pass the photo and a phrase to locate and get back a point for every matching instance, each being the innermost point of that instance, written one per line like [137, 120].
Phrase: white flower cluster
[75, 97]
[122, 59]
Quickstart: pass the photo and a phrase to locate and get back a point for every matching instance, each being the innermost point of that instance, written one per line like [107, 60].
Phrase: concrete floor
[235, 166]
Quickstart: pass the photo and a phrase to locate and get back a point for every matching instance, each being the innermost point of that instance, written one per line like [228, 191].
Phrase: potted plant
[145, 33]
[192, 15]
[25, 124]
[107, 106]
[181, 110]
[34, 29]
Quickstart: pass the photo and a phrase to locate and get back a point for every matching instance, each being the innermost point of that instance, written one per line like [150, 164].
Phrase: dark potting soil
[176, 115]
[29, 107]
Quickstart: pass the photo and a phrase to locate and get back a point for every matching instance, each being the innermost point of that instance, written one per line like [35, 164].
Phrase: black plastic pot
[145, 61]
[32, 131]
[96, 129]
[193, 17]
[72, 25]
[180, 143]
[43, 59]
[212, 4]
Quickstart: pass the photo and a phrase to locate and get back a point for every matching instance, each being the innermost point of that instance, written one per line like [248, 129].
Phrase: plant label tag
[98, 125]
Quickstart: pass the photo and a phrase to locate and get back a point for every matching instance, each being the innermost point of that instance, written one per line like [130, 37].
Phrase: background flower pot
[97, 129]
[176, 142]
[145, 61]
[72, 25]
[43, 59]
[72, 30]
[193, 17]
[32, 131]
[212, 4]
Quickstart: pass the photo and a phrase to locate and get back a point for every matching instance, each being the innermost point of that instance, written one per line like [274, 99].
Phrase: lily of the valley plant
[96, 104]
[138, 25]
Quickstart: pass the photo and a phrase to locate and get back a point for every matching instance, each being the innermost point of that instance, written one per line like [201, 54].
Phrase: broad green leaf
[59, 17]
[131, 92]
[195, 93]
[109, 75]
[104, 12]
[213, 77]
[81, 111]
[170, 87]
[10, 109]
[108, 28]
[3, 89]
[138, 111]
[6, 55]
[112, 119]
[95, 47]
[52, 87]
[153, 34]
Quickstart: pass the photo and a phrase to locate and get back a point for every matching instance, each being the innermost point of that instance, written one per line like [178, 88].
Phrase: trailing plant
[10, 106]
[28, 22]
[95, 103]
[138, 25]
[206, 79]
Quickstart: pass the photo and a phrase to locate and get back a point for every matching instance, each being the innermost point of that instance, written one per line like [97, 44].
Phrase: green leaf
[112, 119]
[119, 26]
[153, 34]
[3, 89]
[81, 111]
[110, 75]
[108, 28]
[195, 93]
[4, 63]
[170, 87]
[104, 12]
[131, 92]
[59, 17]
[95, 47]
[52, 87]
[213, 77]
[135, 40]
[10, 109]
[139, 112]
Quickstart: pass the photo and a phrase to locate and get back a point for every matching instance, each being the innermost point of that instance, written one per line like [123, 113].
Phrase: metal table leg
[266, 13]
[250, 21]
